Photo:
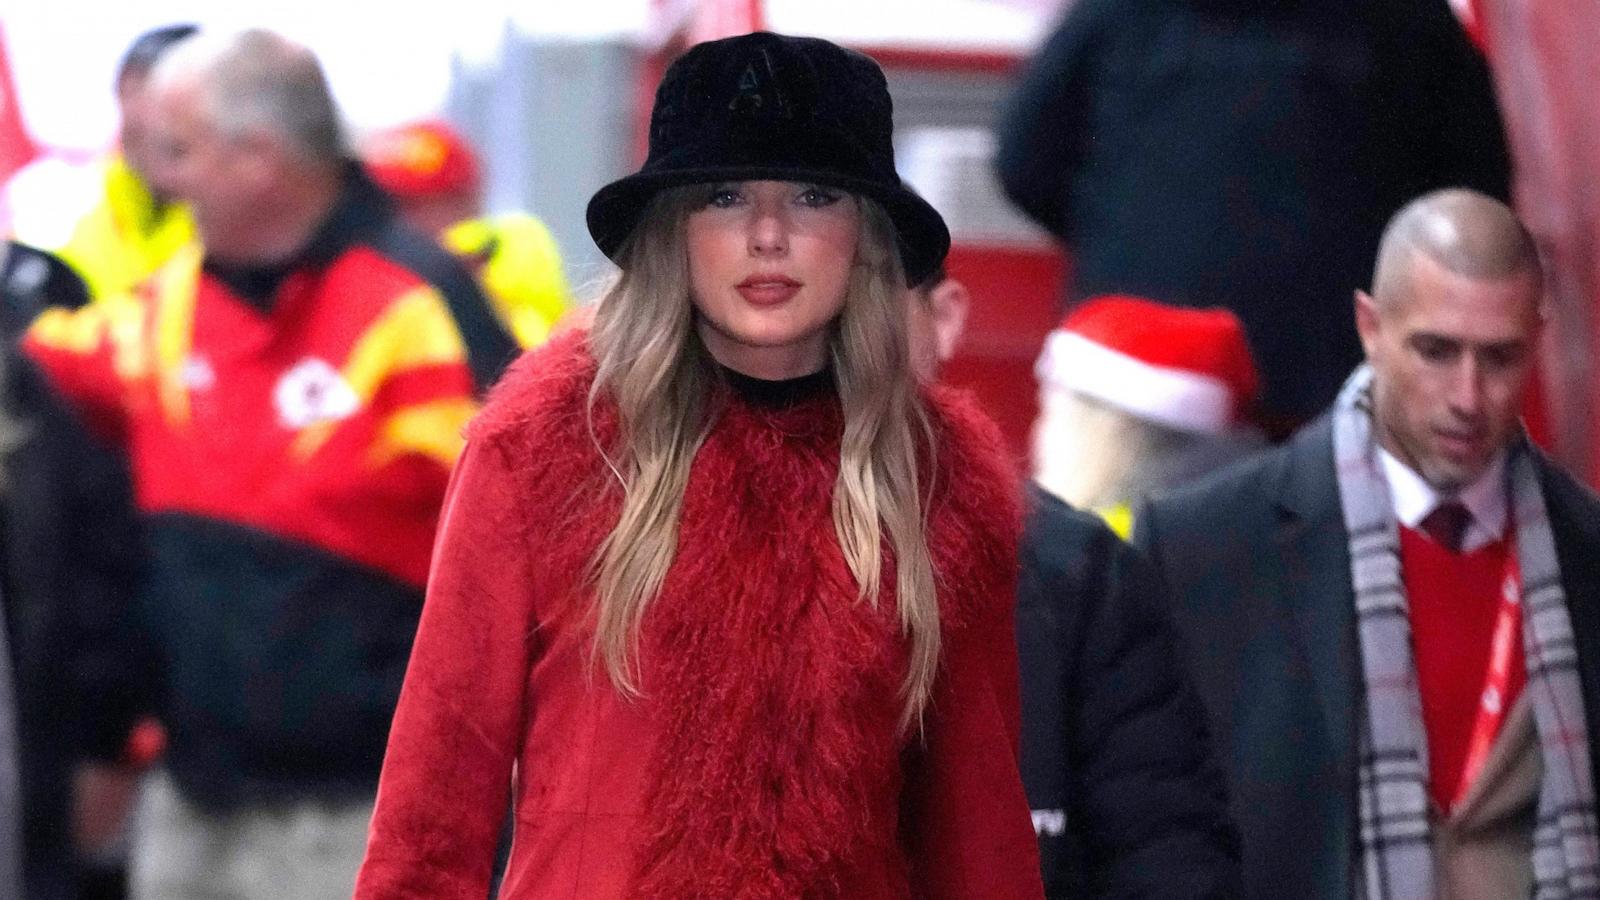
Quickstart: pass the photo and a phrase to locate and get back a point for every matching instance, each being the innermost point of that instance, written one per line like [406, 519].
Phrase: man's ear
[950, 302]
[1367, 324]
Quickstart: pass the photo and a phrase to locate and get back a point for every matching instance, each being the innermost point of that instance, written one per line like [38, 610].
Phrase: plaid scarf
[1392, 784]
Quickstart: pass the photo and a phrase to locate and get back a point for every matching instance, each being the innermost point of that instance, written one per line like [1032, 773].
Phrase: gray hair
[257, 79]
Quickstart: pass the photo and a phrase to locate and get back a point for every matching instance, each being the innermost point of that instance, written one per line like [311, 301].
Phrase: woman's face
[769, 262]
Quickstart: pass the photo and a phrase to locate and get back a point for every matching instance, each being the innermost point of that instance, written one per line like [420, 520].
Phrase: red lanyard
[1493, 701]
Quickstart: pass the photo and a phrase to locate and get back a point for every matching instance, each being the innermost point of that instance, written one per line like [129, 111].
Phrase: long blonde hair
[1090, 454]
[1095, 456]
[652, 365]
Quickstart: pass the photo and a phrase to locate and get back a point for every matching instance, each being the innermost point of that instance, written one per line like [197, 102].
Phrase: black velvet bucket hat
[765, 106]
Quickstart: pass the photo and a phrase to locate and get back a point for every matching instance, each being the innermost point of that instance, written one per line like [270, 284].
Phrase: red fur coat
[764, 760]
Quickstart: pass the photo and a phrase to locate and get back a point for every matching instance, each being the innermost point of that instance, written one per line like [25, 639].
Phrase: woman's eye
[723, 198]
[818, 196]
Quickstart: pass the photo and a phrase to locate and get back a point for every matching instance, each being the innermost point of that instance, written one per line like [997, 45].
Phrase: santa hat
[1186, 369]
[422, 160]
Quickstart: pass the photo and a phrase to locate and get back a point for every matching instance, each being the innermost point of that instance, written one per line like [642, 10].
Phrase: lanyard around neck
[1494, 698]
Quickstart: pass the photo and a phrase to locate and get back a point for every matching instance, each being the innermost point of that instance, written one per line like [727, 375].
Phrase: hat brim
[920, 232]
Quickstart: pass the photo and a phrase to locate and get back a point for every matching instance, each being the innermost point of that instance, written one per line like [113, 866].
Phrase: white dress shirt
[1484, 498]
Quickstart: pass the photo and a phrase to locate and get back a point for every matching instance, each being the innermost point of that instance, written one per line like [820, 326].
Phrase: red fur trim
[543, 388]
[538, 414]
[975, 518]
[774, 689]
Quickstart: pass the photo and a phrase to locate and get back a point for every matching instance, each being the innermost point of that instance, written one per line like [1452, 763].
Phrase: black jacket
[70, 560]
[1248, 155]
[30, 280]
[1259, 564]
[1127, 799]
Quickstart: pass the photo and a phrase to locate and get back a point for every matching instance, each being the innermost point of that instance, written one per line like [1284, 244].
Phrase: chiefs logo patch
[311, 392]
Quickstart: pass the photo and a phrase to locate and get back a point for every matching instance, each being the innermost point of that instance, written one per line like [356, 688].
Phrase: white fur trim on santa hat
[1176, 398]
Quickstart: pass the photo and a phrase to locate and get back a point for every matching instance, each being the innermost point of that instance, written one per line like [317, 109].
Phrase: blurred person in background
[31, 281]
[1392, 619]
[70, 561]
[1136, 397]
[135, 224]
[1127, 799]
[1246, 155]
[663, 607]
[437, 180]
[290, 392]
[937, 318]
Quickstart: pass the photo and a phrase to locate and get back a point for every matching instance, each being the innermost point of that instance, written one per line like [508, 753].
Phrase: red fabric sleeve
[446, 777]
[969, 830]
[77, 352]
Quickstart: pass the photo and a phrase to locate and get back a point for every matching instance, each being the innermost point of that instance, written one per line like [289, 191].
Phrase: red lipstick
[767, 289]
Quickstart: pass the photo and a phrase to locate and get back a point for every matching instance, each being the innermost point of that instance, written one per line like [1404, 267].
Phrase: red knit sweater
[1453, 601]
[764, 760]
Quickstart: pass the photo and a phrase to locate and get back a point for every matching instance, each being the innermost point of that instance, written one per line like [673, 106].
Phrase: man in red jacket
[291, 394]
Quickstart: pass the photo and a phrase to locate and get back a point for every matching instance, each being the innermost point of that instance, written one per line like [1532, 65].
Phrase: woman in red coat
[721, 598]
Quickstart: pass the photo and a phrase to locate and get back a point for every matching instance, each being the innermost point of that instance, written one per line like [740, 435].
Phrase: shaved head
[1450, 330]
[1462, 231]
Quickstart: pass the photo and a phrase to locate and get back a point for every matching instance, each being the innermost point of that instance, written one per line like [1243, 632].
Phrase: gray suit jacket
[1259, 567]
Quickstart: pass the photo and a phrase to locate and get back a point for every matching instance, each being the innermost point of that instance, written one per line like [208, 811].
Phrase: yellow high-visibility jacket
[517, 263]
[127, 236]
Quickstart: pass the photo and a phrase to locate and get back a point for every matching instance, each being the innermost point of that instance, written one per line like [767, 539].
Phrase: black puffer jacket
[70, 561]
[1127, 799]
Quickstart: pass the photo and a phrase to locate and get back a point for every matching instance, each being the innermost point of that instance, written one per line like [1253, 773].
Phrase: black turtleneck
[778, 394]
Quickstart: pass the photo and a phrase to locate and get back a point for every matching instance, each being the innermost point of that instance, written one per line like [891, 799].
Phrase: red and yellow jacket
[290, 444]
